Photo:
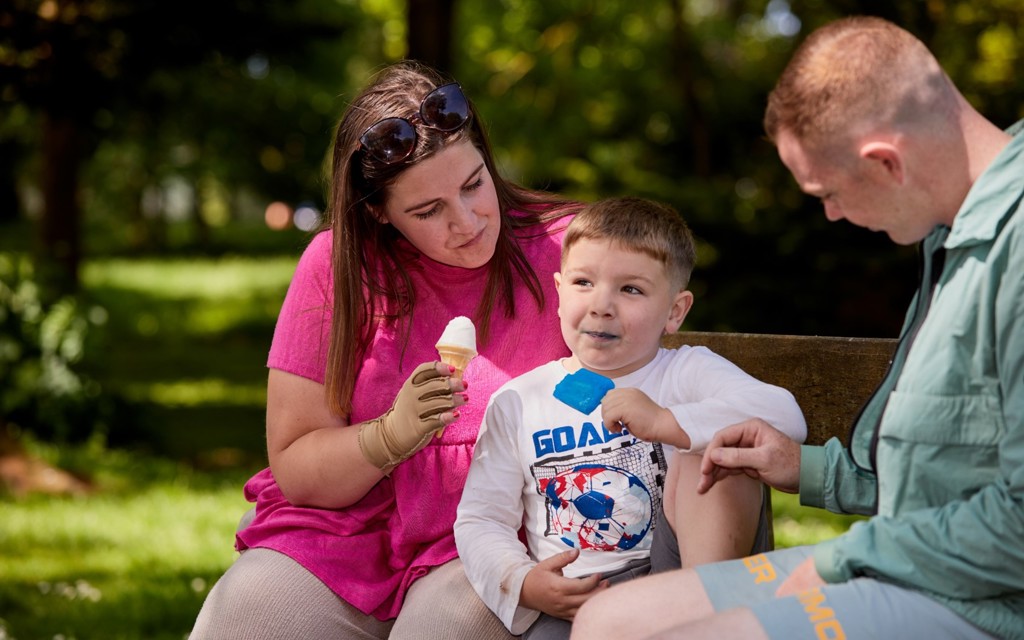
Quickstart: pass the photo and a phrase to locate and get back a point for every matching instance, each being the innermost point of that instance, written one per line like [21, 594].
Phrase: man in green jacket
[866, 120]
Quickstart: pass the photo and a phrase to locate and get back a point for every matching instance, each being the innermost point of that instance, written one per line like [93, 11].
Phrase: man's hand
[425, 403]
[804, 577]
[645, 419]
[546, 590]
[755, 448]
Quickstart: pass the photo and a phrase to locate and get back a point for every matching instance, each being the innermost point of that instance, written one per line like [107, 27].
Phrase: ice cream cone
[456, 347]
[458, 357]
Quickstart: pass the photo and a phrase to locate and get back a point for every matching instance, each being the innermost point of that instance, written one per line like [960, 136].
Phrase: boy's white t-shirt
[571, 483]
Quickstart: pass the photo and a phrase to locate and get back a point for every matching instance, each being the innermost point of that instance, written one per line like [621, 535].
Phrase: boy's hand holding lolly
[457, 346]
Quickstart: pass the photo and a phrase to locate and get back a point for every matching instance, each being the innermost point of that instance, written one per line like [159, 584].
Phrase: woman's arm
[315, 463]
[319, 465]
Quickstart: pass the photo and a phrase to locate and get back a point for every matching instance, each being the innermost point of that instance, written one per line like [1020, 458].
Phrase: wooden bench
[830, 377]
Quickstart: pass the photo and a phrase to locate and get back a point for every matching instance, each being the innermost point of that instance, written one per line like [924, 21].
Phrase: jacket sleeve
[968, 549]
[829, 479]
[490, 515]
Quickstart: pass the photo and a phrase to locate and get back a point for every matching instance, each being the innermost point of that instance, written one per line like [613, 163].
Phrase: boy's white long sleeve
[490, 516]
[720, 394]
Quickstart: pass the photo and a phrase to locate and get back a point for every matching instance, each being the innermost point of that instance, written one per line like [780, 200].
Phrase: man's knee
[597, 617]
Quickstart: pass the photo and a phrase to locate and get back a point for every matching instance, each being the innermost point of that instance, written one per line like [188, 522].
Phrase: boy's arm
[706, 393]
[490, 515]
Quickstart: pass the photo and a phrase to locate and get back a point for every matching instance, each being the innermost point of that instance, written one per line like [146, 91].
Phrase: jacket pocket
[971, 420]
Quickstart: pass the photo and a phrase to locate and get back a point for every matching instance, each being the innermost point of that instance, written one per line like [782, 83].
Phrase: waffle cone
[457, 357]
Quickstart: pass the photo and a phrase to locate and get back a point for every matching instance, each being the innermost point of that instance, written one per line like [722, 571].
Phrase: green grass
[132, 559]
[136, 559]
[796, 525]
[184, 344]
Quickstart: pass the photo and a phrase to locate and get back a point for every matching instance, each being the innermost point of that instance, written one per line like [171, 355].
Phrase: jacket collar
[994, 196]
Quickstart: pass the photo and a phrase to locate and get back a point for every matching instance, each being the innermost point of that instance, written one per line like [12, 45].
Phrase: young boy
[588, 488]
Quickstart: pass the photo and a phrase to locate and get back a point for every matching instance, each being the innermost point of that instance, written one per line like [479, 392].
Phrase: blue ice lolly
[583, 390]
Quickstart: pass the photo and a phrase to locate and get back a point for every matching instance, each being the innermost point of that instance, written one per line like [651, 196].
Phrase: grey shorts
[860, 608]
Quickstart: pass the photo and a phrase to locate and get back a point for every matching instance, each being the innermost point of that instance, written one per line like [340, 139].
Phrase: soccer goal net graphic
[605, 500]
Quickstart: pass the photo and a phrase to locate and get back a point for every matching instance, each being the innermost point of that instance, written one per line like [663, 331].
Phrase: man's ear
[886, 156]
[677, 313]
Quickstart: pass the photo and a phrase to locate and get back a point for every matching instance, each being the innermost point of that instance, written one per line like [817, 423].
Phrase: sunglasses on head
[392, 140]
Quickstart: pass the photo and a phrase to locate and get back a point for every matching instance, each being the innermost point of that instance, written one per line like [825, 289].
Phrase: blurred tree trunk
[199, 223]
[10, 208]
[60, 243]
[685, 58]
[429, 28]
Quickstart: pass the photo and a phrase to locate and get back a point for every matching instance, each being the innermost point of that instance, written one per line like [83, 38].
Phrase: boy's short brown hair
[640, 225]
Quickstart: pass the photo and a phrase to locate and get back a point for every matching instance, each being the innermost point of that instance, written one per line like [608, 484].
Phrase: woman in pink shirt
[352, 531]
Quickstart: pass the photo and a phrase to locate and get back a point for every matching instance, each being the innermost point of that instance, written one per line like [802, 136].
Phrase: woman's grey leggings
[266, 595]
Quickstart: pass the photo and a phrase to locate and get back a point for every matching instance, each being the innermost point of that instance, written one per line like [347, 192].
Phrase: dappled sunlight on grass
[185, 347]
[133, 564]
[793, 533]
[63, 539]
[209, 320]
[183, 278]
[192, 392]
[195, 297]
[179, 349]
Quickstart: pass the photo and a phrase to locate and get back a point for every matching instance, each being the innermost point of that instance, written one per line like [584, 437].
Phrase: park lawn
[184, 345]
[132, 559]
[796, 525]
[181, 344]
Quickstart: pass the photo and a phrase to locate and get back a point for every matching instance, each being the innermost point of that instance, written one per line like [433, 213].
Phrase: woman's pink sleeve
[302, 334]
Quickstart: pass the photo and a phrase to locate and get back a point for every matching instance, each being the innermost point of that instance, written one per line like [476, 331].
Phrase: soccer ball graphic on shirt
[598, 507]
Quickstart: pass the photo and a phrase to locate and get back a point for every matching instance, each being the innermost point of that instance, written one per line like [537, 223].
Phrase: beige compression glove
[411, 420]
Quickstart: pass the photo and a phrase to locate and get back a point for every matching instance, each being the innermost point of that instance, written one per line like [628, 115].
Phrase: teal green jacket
[937, 455]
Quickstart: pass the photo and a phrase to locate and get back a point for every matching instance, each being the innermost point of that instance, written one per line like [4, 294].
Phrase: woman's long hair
[371, 280]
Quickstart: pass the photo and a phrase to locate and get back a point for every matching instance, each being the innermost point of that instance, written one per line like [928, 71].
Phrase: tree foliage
[199, 113]
[158, 80]
[664, 99]
[41, 346]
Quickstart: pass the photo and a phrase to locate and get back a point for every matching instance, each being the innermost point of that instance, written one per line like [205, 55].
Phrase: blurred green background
[161, 164]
